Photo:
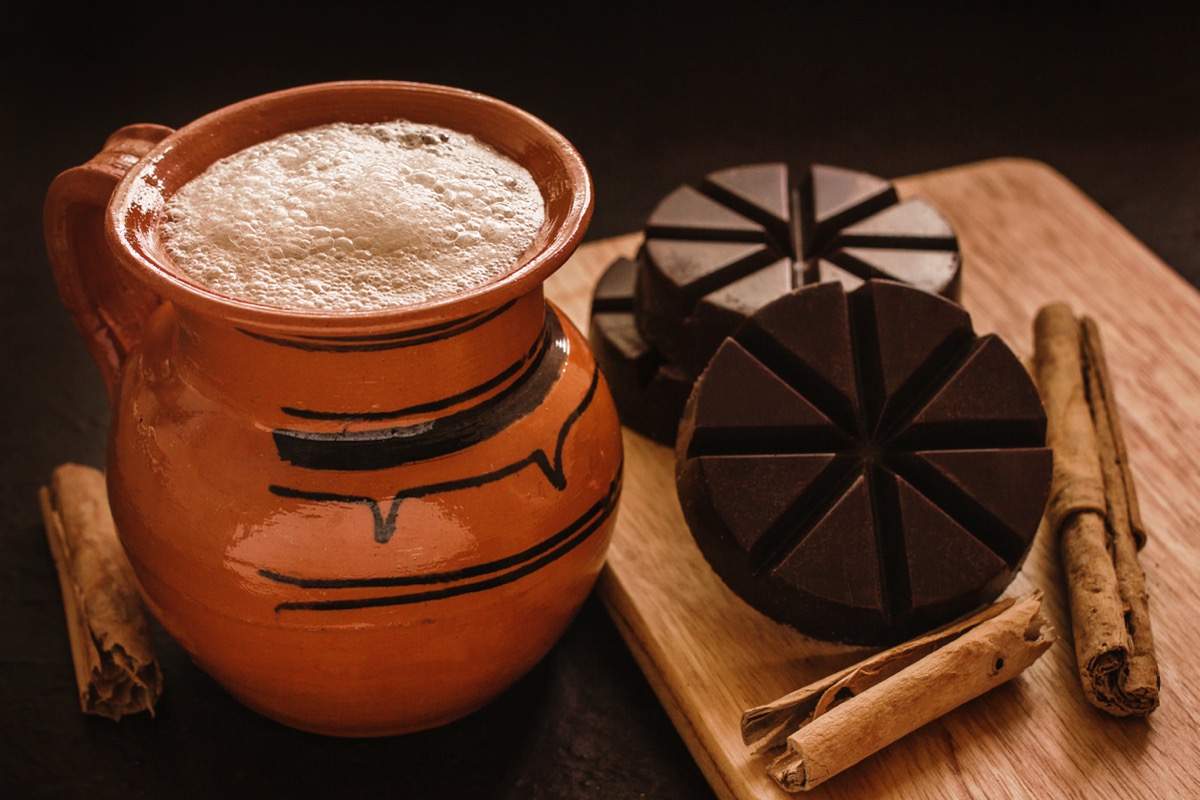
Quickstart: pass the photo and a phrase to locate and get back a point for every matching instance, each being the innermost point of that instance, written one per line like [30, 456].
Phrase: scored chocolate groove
[862, 465]
[715, 253]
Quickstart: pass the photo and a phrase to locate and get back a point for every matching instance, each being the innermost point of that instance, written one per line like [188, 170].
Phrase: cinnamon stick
[1093, 509]
[116, 670]
[842, 719]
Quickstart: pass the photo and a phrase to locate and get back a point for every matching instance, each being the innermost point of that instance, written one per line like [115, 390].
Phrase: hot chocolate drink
[354, 217]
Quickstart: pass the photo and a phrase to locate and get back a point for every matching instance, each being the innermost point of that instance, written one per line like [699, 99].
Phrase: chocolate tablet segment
[692, 269]
[780, 415]
[746, 295]
[940, 556]
[841, 545]
[684, 272]
[978, 485]
[622, 335]
[648, 390]
[721, 312]
[863, 467]
[613, 292]
[834, 197]
[762, 492]
[987, 400]
[688, 214]
[760, 192]
[826, 271]
[912, 224]
[823, 364]
[905, 336]
[932, 270]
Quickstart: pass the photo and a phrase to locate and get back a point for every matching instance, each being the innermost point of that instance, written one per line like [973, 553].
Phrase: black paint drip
[385, 523]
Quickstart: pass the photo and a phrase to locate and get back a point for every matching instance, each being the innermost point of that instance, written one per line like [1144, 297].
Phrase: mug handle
[107, 304]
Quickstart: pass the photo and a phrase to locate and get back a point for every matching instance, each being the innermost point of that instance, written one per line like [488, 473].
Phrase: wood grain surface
[1028, 237]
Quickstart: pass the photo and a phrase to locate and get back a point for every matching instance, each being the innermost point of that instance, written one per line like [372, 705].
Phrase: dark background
[1108, 94]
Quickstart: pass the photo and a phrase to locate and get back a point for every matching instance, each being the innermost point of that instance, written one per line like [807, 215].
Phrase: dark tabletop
[1108, 94]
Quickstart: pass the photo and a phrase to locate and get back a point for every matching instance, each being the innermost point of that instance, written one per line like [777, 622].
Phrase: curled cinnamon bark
[836, 722]
[115, 666]
[1094, 511]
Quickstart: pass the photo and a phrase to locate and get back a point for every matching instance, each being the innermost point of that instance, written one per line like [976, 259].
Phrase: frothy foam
[347, 216]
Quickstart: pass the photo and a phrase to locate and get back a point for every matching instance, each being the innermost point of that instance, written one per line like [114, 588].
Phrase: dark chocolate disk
[648, 391]
[715, 253]
[862, 465]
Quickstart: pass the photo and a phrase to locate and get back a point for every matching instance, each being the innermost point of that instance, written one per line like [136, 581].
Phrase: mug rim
[134, 211]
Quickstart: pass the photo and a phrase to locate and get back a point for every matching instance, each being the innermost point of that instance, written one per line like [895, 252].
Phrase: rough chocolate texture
[649, 392]
[861, 465]
[716, 253]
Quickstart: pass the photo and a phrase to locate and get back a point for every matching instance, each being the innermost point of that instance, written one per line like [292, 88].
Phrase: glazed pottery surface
[359, 523]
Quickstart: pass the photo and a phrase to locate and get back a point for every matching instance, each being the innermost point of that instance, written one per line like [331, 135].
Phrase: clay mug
[358, 523]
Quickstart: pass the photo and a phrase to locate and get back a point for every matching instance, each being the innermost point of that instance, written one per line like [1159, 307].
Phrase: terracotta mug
[359, 523]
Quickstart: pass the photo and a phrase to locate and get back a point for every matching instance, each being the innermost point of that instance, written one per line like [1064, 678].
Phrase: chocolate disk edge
[863, 466]
[715, 253]
[649, 392]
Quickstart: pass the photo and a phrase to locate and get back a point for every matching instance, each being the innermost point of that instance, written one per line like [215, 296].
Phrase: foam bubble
[347, 216]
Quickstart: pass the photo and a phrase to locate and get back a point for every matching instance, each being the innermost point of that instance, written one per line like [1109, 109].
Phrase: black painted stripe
[385, 524]
[452, 576]
[528, 362]
[389, 341]
[390, 447]
[564, 542]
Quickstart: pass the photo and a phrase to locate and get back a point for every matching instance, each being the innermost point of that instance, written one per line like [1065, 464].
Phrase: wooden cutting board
[1028, 237]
